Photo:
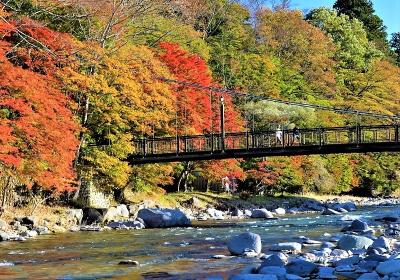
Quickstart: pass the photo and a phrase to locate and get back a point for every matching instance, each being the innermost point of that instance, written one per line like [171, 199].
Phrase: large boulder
[245, 242]
[161, 218]
[301, 267]
[273, 260]
[354, 242]
[389, 267]
[349, 206]
[122, 211]
[357, 226]
[215, 214]
[3, 225]
[382, 242]
[111, 214]
[261, 214]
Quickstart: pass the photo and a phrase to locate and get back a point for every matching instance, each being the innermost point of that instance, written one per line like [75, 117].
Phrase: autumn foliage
[38, 132]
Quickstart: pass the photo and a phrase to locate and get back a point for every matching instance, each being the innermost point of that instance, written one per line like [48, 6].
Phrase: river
[176, 253]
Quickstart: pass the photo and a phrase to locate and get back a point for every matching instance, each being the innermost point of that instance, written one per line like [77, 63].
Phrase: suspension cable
[280, 101]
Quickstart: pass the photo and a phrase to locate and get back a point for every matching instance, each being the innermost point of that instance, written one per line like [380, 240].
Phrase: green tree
[364, 11]
[395, 45]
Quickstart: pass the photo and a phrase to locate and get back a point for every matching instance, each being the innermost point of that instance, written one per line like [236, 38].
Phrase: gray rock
[293, 277]
[326, 273]
[279, 272]
[347, 261]
[357, 226]
[126, 225]
[376, 257]
[215, 214]
[245, 242]
[280, 211]
[329, 211]
[161, 218]
[351, 242]
[286, 246]
[111, 214]
[122, 211]
[261, 214]
[369, 276]
[237, 213]
[247, 212]
[75, 215]
[300, 267]
[381, 242]
[273, 260]
[4, 236]
[389, 267]
[3, 225]
[129, 262]
[368, 265]
[349, 206]
[42, 230]
[29, 233]
[253, 277]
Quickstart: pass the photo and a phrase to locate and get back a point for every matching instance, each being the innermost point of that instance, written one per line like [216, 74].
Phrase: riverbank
[19, 224]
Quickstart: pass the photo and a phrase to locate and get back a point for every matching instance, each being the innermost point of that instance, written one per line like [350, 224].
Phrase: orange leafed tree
[198, 109]
[37, 130]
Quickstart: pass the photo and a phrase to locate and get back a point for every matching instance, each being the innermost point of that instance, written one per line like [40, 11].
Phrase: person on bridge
[278, 135]
[296, 135]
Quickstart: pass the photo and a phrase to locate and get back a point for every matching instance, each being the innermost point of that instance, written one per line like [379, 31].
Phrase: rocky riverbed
[364, 248]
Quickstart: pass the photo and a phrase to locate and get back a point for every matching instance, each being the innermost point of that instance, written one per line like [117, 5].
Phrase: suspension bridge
[306, 141]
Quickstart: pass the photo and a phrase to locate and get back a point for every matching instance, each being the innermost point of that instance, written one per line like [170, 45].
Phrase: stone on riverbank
[245, 242]
[253, 277]
[354, 242]
[129, 262]
[75, 215]
[389, 267]
[261, 214]
[329, 211]
[286, 246]
[126, 225]
[280, 211]
[357, 226]
[381, 242]
[301, 267]
[273, 260]
[279, 272]
[161, 218]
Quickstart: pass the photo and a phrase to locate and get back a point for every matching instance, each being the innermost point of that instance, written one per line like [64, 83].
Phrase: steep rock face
[161, 218]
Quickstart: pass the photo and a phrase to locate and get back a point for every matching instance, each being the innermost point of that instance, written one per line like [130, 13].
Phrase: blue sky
[387, 10]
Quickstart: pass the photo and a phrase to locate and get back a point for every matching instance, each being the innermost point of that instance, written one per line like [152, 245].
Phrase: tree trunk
[5, 194]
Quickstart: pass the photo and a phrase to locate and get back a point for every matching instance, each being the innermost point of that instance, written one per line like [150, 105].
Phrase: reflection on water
[177, 253]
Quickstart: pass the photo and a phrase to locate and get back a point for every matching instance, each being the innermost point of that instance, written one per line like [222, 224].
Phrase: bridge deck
[327, 140]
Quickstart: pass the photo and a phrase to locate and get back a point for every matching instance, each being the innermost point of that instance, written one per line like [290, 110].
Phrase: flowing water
[176, 253]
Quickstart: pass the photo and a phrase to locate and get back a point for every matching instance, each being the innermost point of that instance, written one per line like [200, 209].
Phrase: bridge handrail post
[212, 142]
[320, 131]
[396, 135]
[185, 144]
[247, 140]
[283, 138]
[358, 134]
[152, 145]
[144, 143]
[177, 144]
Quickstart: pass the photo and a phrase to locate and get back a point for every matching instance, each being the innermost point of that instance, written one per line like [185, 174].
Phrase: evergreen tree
[395, 45]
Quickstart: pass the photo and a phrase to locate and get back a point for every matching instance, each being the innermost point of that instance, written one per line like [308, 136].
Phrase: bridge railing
[210, 143]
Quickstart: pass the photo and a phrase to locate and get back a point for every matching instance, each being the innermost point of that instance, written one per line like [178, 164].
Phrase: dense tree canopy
[79, 80]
